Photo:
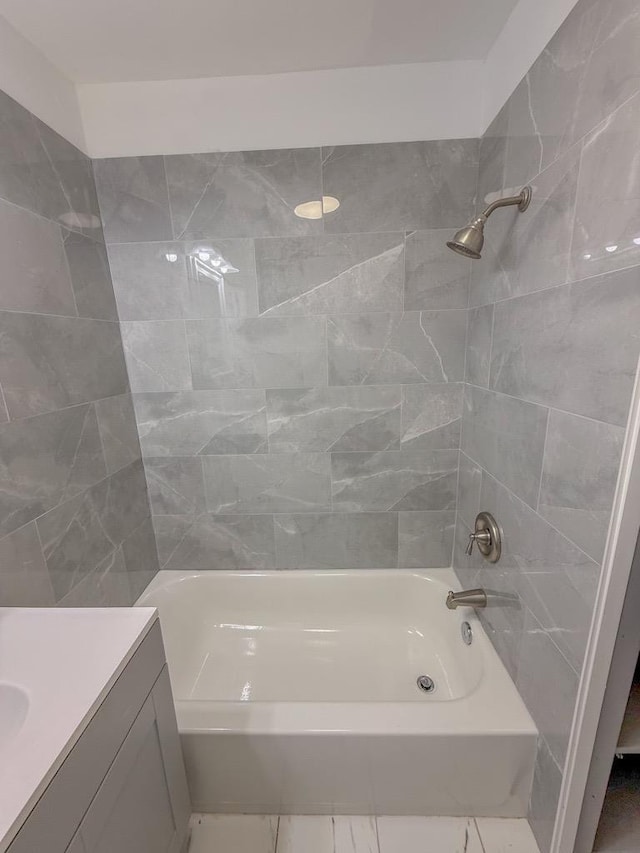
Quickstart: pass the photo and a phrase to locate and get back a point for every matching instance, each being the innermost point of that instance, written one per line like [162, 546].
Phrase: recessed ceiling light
[610, 248]
[636, 240]
[316, 209]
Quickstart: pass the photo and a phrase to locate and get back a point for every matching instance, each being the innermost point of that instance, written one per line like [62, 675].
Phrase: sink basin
[14, 705]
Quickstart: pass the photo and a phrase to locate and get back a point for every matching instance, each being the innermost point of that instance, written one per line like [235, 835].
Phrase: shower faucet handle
[484, 538]
[487, 537]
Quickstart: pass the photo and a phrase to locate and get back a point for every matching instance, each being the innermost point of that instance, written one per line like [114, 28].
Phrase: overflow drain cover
[426, 684]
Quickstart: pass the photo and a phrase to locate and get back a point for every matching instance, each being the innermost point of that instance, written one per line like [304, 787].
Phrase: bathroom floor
[349, 834]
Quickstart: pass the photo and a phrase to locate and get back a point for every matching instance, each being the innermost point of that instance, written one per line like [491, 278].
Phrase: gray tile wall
[552, 350]
[298, 384]
[74, 512]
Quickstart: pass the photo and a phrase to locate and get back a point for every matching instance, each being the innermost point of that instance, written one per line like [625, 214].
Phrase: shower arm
[522, 200]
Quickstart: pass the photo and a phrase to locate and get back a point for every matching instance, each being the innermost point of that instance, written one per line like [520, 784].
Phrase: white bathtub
[296, 693]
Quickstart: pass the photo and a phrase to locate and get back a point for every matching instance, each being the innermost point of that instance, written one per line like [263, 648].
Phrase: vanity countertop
[56, 667]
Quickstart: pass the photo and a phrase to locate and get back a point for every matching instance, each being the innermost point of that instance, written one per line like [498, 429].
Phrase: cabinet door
[132, 811]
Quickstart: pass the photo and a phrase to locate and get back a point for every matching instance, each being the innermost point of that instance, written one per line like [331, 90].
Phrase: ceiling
[105, 41]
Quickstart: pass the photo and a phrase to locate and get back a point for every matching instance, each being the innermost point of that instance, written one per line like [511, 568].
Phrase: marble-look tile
[542, 108]
[491, 160]
[232, 833]
[77, 535]
[579, 473]
[90, 276]
[469, 484]
[188, 423]
[394, 480]
[27, 176]
[4, 414]
[530, 251]
[118, 431]
[574, 347]
[408, 186]
[431, 416]
[337, 540]
[612, 74]
[140, 557]
[379, 349]
[148, 284]
[299, 482]
[425, 539]
[436, 277]
[506, 835]
[48, 363]
[260, 352]
[506, 437]
[541, 665]
[157, 355]
[133, 199]
[215, 542]
[46, 460]
[327, 274]
[442, 834]
[172, 280]
[356, 418]
[591, 68]
[24, 579]
[311, 834]
[176, 486]
[243, 193]
[555, 580]
[606, 234]
[77, 203]
[35, 274]
[545, 793]
[478, 357]
[41, 171]
[352, 834]
[105, 586]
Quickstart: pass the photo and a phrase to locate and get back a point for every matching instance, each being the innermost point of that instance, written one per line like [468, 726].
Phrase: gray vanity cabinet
[122, 789]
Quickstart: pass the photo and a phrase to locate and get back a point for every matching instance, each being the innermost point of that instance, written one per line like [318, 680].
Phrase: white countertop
[62, 662]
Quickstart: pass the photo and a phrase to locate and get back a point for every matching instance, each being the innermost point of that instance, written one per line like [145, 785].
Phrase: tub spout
[467, 598]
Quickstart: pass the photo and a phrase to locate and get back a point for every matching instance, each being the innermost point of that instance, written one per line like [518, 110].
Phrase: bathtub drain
[425, 683]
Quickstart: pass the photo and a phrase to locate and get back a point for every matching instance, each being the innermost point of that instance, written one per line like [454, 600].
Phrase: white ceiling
[105, 41]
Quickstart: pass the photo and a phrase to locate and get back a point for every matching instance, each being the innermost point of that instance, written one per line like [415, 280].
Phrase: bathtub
[296, 693]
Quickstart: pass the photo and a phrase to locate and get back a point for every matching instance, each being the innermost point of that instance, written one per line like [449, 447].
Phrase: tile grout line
[542, 466]
[545, 406]
[475, 821]
[275, 846]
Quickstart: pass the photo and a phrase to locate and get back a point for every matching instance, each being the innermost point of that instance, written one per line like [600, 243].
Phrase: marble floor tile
[305, 834]
[501, 835]
[354, 834]
[428, 835]
[233, 833]
[358, 834]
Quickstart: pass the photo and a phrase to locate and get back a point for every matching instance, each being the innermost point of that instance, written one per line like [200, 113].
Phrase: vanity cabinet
[122, 788]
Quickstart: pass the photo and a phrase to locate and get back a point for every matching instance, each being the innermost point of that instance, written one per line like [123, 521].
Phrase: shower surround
[552, 351]
[297, 383]
[74, 513]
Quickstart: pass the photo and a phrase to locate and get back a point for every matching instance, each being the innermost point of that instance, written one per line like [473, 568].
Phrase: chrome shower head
[468, 241]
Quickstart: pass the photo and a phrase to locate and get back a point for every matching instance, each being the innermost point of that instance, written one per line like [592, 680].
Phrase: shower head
[468, 241]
